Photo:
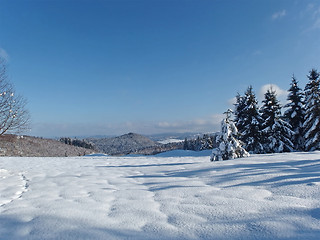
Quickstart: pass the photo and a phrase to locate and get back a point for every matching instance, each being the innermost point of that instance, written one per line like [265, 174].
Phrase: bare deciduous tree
[14, 117]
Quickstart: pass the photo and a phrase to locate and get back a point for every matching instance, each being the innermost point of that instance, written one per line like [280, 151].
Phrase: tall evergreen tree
[312, 117]
[229, 146]
[185, 144]
[251, 121]
[295, 113]
[277, 132]
[198, 145]
[206, 142]
[239, 114]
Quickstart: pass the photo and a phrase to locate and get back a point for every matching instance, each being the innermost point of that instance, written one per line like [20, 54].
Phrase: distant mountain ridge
[126, 144]
[133, 143]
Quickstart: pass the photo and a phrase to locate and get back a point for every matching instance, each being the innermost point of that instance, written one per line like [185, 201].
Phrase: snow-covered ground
[170, 140]
[260, 197]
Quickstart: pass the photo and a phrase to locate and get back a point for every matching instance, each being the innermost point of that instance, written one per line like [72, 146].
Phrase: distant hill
[26, 146]
[162, 137]
[133, 143]
[130, 143]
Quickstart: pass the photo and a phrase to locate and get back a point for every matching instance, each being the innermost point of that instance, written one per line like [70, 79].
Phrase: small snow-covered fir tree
[251, 122]
[229, 146]
[277, 133]
[312, 117]
[295, 113]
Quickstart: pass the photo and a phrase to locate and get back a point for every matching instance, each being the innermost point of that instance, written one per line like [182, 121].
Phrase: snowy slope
[170, 140]
[260, 197]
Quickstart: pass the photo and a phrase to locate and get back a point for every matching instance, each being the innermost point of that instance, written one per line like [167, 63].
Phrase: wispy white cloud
[316, 24]
[315, 10]
[4, 54]
[278, 15]
[281, 93]
[232, 101]
[312, 13]
[310, 6]
[316, 18]
[257, 53]
[206, 124]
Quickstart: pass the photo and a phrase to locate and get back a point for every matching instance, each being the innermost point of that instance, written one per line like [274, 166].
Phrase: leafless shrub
[14, 117]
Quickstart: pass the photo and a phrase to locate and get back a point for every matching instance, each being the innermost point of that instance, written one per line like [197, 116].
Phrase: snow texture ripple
[273, 196]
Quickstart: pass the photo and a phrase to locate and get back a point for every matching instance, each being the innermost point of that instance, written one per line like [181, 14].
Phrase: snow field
[260, 197]
[12, 186]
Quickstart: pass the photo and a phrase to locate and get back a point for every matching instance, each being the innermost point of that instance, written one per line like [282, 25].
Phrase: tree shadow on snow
[289, 173]
[52, 228]
[145, 165]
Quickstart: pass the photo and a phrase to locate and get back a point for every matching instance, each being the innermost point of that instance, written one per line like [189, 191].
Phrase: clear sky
[153, 66]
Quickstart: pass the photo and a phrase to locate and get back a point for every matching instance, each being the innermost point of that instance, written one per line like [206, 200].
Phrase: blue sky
[111, 67]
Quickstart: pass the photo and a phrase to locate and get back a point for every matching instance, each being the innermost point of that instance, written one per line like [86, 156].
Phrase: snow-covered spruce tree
[185, 144]
[295, 113]
[229, 146]
[251, 122]
[276, 132]
[312, 117]
[238, 113]
[198, 145]
[207, 142]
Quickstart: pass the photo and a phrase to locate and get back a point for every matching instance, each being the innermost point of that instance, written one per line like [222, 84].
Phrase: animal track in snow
[12, 186]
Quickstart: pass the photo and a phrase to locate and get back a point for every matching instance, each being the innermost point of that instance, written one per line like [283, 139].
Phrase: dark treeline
[77, 143]
[196, 144]
[200, 143]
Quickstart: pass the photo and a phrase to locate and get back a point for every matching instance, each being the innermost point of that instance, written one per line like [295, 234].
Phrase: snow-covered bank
[273, 196]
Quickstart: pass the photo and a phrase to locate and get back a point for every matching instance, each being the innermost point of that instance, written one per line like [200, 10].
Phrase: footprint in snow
[12, 186]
